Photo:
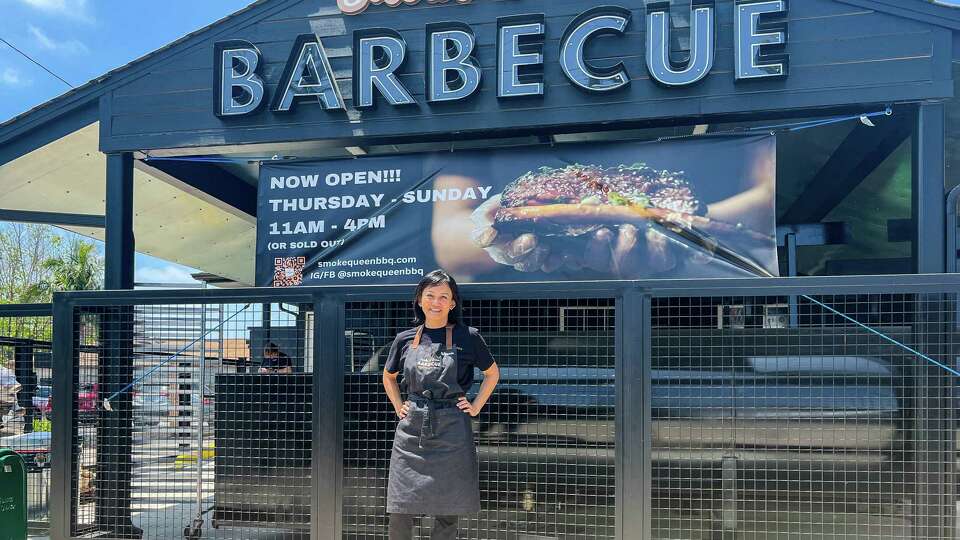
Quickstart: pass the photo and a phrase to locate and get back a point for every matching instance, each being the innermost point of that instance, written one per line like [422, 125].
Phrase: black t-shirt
[472, 351]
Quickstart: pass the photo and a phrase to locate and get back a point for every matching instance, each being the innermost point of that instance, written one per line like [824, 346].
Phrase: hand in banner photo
[460, 245]
[619, 221]
[622, 251]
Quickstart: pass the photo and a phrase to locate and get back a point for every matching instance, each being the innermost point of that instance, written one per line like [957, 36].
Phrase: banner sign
[679, 209]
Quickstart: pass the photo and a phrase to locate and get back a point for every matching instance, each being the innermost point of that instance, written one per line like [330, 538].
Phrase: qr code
[288, 271]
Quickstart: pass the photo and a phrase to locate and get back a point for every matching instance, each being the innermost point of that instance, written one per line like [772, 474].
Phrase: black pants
[401, 527]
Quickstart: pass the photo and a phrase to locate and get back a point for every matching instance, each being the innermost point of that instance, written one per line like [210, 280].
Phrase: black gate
[785, 408]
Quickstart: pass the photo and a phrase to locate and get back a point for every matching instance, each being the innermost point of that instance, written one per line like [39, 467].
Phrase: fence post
[27, 376]
[63, 460]
[328, 388]
[115, 429]
[933, 425]
[633, 415]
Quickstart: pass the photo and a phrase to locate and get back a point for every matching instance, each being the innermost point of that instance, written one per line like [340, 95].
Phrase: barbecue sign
[453, 71]
[696, 208]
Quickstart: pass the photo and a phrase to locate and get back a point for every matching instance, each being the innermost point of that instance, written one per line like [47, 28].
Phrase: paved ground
[165, 501]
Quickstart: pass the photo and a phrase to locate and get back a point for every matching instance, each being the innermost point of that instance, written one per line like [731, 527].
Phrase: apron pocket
[408, 428]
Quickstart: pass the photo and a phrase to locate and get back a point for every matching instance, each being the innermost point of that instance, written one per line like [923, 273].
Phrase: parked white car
[8, 387]
[151, 408]
[8, 395]
[34, 448]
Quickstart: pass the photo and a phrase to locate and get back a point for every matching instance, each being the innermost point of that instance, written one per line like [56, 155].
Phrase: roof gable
[86, 96]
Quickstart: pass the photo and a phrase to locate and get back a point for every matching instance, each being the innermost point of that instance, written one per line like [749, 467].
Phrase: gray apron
[433, 466]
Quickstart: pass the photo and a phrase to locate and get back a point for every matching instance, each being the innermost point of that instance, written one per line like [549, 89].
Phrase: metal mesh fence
[26, 407]
[767, 425]
[192, 419]
[546, 438]
[770, 417]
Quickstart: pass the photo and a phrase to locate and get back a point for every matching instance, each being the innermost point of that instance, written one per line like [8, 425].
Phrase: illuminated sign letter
[598, 21]
[520, 56]
[378, 54]
[352, 7]
[308, 76]
[755, 39]
[453, 72]
[238, 90]
[702, 42]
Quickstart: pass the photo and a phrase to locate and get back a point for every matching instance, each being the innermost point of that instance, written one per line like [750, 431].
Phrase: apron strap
[416, 338]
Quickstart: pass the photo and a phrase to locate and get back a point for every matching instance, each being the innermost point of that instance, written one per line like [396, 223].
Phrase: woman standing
[433, 466]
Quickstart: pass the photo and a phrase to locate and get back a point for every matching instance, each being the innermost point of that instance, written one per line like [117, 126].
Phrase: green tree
[24, 250]
[75, 268]
[35, 262]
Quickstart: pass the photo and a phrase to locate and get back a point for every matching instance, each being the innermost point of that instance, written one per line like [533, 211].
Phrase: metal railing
[629, 410]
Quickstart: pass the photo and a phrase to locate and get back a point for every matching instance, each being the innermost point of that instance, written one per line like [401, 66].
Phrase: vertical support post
[119, 245]
[791, 245]
[266, 311]
[300, 356]
[633, 420]
[198, 393]
[27, 376]
[929, 213]
[933, 425]
[64, 453]
[328, 390]
[115, 368]
[953, 249]
[266, 321]
[115, 427]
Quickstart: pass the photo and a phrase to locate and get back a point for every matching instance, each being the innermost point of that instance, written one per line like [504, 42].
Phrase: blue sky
[80, 40]
[83, 39]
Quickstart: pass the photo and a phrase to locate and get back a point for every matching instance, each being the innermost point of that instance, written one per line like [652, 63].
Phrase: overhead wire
[41, 66]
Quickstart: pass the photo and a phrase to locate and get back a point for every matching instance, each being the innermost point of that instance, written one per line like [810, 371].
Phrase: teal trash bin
[13, 496]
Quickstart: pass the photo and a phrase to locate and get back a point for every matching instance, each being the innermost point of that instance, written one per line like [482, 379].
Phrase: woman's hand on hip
[466, 406]
[404, 410]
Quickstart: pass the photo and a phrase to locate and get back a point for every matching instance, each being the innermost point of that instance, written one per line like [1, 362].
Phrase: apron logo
[435, 360]
[429, 362]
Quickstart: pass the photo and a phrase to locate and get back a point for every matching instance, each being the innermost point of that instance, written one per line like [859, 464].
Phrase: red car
[87, 402]
[42, 399]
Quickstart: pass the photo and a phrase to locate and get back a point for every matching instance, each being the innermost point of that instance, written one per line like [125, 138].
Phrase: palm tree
[77, 269]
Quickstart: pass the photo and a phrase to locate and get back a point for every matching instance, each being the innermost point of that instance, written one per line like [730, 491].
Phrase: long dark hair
[437, 277]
